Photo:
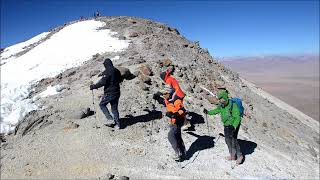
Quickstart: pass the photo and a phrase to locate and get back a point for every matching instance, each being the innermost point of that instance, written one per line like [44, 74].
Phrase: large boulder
[110, 176]
[123, 178]
[71, 125]
[145, 79]
[166, 62]
[174, 30]
[79, 113]
[143, 86]
[125, 73]
[134, 34]
[122, 38]
[146, 70]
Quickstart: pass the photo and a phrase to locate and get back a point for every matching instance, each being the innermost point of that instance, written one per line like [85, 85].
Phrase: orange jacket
[172, 82]
[176, 106]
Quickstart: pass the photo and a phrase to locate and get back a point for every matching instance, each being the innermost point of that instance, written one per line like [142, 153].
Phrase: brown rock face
[134, 34]
[146, 70]
[167, 62]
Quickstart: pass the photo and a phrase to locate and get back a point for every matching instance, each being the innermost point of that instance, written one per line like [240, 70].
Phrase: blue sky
[226, 28]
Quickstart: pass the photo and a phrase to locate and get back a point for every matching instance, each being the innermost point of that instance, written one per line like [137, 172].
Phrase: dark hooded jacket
[111, 79]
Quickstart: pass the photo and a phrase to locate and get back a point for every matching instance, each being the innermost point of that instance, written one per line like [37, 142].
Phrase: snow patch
[115, 58]
[68, 48]
[51, 90]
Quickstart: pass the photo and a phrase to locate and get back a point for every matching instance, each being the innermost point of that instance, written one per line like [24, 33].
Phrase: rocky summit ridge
[63, 139]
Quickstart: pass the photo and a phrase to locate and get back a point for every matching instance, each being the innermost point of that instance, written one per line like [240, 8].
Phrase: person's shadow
[201, 143]
[247, 147]
[195, 119]
[130, 120]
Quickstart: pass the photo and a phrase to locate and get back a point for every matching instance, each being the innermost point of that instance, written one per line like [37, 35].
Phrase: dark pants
[231, 135]
[175, 139]
[113, 99]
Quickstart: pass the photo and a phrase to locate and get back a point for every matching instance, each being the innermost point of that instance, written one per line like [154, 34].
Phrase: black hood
[107, 63]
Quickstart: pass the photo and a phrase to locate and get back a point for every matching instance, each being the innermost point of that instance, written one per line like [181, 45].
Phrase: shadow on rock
[130, 120]
[201, 143]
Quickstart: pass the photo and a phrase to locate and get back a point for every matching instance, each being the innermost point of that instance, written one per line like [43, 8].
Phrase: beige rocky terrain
[59, 140]
[294, 79]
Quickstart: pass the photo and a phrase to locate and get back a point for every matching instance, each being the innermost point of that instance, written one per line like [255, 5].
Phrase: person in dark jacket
[111, 79]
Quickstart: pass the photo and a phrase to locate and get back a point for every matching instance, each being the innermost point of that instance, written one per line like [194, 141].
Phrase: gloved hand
[156, 96]
[170, 114]
[176, 115]
[92, 87]
[205, 111]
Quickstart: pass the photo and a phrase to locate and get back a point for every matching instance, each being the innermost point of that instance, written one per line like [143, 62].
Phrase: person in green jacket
[231, 119]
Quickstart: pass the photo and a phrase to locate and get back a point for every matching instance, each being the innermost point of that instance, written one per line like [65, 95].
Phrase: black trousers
[175, 139]
[231, 135]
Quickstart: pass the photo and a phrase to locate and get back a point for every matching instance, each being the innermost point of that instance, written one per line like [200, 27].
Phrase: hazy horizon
[293, 79]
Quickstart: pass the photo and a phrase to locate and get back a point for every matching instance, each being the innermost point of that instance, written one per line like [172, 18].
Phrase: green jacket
[228, 118]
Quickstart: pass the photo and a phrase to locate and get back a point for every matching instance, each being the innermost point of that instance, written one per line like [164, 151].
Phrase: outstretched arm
[215, 111]
[100, 83]
[173, 95]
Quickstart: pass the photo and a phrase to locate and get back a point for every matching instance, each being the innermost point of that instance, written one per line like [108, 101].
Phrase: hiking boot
[186, 126]
[117, 127]
[176, 157]
[183, 156]
[230, 158]
[109, 123]
[240, 160]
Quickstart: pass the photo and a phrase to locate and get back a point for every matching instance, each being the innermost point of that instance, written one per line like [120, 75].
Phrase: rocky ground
[64, 139]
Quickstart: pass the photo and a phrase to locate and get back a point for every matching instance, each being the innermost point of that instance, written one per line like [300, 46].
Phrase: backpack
[238, 101]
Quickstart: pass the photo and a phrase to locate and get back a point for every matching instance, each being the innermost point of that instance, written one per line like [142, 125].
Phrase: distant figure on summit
[96, 14]
[111, 79]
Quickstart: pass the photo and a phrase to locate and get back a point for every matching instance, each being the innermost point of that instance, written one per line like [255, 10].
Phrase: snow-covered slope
[8, 52]
[68, 48]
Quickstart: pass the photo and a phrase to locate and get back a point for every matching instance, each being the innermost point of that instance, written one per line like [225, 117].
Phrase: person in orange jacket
[176, 113]
[176, 92]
